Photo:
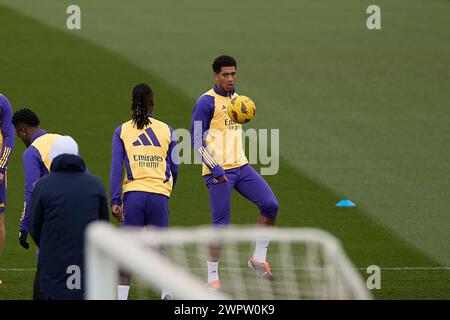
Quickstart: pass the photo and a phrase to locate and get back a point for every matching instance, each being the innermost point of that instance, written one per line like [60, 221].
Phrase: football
[241, 109]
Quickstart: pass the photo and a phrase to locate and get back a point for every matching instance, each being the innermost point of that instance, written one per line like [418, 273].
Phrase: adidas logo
[144, 139]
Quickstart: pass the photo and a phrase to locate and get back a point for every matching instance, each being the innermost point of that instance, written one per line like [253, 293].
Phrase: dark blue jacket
[62, 204]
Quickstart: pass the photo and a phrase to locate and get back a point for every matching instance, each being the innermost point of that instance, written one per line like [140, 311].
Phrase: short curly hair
[223, 61]
[25, 116]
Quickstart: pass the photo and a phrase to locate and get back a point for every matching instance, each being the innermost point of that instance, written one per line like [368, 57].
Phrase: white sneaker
[168, 296]
[214, 285]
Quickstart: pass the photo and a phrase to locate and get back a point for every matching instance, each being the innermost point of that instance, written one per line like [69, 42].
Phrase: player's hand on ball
[117, 212]
[23, 235]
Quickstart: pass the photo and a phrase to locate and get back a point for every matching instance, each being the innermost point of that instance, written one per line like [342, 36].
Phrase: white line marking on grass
[17, 270]
[319, 268]
[411, 268]
[385, 268]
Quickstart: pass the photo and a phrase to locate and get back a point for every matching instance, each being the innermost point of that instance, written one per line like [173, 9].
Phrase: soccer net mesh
[306, 263]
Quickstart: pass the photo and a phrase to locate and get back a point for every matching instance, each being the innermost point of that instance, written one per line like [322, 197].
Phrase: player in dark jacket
[62, 204]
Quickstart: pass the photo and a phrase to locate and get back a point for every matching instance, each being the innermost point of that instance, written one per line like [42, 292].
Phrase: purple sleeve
[36, 214]
[32, 172]
[201, 120]
[8, 133]
[116, 174]
[173, 154]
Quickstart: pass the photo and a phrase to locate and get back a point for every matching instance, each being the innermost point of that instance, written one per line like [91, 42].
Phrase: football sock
[122, 292]
[261, 250]
[213, 270]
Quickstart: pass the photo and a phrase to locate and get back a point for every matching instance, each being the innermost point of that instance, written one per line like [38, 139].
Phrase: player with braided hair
[141, 105]
[146, 147]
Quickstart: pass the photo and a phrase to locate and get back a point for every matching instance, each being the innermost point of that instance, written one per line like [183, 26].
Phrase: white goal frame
[108, 247]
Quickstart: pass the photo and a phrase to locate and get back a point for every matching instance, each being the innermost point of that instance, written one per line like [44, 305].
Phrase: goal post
[307, 263]
[109, 249]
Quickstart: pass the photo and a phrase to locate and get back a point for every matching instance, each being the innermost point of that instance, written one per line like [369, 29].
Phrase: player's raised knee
[270, 208]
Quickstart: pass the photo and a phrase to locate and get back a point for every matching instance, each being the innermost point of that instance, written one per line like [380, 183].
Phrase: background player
[145, 146]
[62, 205]
[225, 169]
[36, 164]
[6, 147]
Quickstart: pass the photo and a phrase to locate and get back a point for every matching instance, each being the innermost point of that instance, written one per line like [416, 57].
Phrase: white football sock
[260, 253]
[213, 270]
[122, 292]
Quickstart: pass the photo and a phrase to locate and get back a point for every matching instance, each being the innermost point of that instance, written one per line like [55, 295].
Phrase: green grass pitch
[362, 114]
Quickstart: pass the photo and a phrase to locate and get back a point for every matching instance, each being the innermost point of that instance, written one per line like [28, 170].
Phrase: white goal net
[306, 263]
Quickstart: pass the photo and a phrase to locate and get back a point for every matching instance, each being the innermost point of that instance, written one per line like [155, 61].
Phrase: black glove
[23, 235]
